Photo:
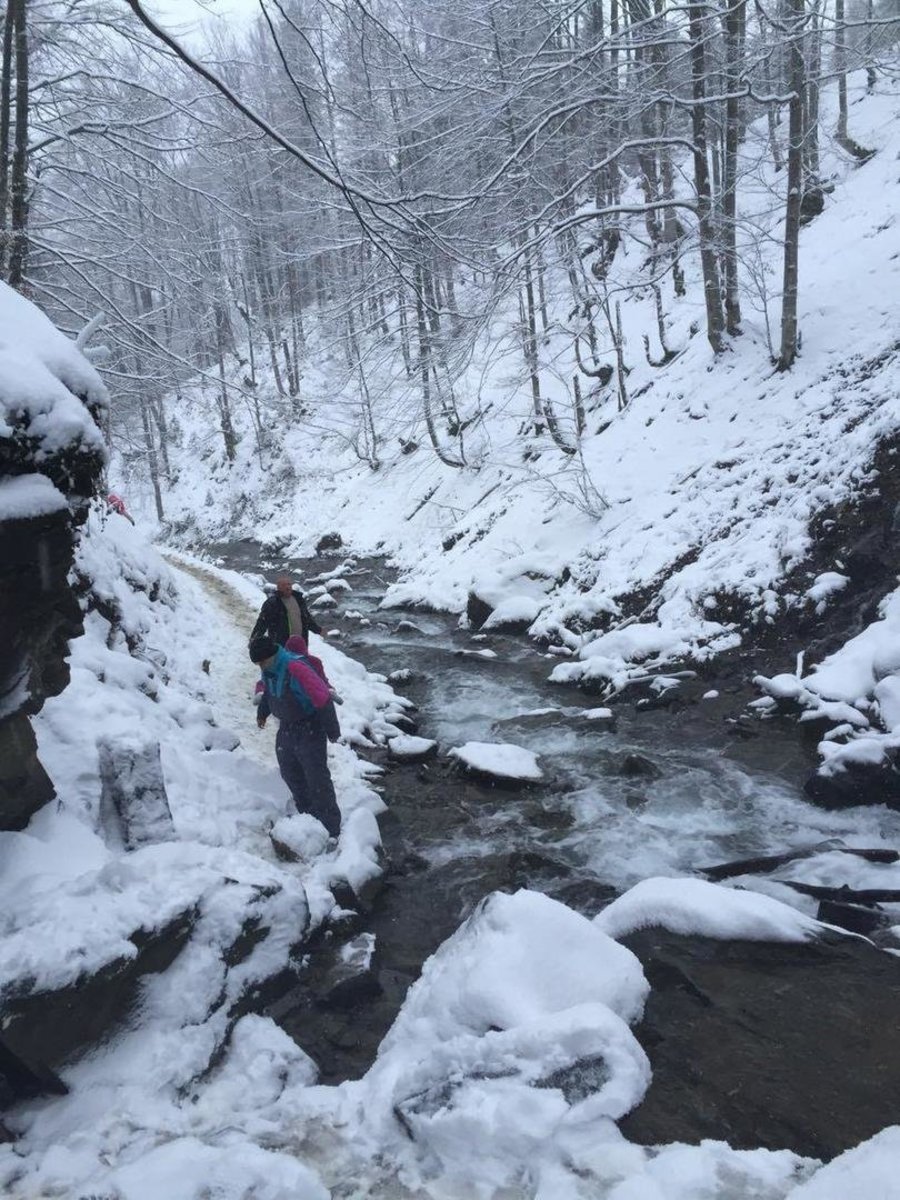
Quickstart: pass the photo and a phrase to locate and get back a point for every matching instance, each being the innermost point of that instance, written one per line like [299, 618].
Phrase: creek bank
[451, 839]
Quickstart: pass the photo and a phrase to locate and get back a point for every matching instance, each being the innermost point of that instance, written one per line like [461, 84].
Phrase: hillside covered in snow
[686, 515]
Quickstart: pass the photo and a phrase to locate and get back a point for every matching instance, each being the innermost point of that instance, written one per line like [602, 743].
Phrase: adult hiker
[283, 613]
[298, 695]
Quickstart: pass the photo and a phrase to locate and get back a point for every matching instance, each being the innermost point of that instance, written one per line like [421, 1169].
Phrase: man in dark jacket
[284, 613]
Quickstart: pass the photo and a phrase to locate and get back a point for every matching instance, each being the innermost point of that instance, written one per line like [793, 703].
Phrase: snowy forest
[449, 607]
[372, 184]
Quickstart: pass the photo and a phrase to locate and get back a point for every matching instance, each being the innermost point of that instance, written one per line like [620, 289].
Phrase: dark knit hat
[262, 648]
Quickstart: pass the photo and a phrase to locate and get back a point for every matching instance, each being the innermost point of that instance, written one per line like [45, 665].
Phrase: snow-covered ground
[709, 478]
[465, 1099]
[467, 1096]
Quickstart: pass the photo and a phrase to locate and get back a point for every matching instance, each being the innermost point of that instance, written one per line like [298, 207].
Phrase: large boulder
[51, 456]
[857, 783]
[767, 1044]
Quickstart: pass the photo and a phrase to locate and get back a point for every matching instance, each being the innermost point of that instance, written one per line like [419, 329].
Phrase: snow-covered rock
[708, 909]
[299, 837]
[514, 613]
[499, 760]
[406, 747]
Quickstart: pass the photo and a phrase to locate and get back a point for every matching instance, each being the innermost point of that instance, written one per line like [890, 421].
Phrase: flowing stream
[650, 794]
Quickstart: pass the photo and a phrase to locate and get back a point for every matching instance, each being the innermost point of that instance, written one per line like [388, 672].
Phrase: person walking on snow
[284, 613]
[299, 695]
[327, 715]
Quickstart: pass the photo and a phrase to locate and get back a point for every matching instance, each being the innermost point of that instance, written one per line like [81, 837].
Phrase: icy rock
[499, 761]
[638, 766]
[823, 586]
[477, 610]
[404, 675]
[513, 614]
[411, 749]
[855, 918]
[407, 627]
[483, 1062]
[326, 600]
[134, 807]
[786, 689]
[298, 838]
[696, 906]
[864, 771]
[329, 542]
[350, 978]
[597, 714]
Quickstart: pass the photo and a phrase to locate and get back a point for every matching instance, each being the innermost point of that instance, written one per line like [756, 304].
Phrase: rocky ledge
[750, 1042]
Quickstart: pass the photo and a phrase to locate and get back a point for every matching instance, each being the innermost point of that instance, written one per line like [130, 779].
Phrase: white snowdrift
[868, 1171]
[29, 496]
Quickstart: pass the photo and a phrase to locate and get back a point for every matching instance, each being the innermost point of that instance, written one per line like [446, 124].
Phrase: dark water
[656, 794]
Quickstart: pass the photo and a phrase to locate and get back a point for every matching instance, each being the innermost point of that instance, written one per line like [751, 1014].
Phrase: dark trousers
[302, 751]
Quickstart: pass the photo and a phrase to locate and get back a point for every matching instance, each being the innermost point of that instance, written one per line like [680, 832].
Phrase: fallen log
[845, 895]
[768, 862]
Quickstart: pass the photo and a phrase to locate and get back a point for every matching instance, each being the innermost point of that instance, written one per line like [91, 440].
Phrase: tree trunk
[227, 427]
[5, 115]
[531, 353]
[152, 459]
[794, 191]
[841, 133]
[735, 16]
[18, 249]
[404, 332]
[425, 371]
[812, 71]
[715, 322]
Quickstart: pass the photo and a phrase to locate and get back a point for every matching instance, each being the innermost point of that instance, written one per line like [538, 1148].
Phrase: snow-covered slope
[699, 494]
[166, 792]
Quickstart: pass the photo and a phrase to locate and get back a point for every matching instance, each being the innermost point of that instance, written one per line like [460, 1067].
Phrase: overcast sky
[187, 17]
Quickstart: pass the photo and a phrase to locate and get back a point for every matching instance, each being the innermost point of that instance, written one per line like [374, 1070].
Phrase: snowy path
[231, 673]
